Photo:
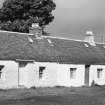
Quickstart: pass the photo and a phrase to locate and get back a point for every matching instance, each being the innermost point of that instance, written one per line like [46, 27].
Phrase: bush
[95, 84]
[33, 87]
[59, 86]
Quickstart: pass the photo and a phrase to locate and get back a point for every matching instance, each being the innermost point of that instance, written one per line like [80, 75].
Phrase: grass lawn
[54, 96]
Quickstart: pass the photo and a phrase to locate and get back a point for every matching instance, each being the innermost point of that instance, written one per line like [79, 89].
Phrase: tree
[18, 15]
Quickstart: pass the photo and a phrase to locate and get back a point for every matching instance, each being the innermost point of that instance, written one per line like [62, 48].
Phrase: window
[99, 72]
[72, 73]
[1, 67]
[41, 69]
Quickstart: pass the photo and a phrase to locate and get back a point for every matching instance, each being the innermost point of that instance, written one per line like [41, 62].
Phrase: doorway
[87, 67]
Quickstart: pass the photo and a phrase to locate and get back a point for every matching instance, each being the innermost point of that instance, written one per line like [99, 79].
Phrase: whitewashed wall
[63, 75]
[29, 75]
[54, 75]
[49, 77]
[23, 75]
[93, 75]
[9, 76]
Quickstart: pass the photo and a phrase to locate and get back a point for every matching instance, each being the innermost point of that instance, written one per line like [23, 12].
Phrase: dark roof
[49, 49]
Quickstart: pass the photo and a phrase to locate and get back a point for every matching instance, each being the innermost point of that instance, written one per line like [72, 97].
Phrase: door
[22, 74]
[87, 75]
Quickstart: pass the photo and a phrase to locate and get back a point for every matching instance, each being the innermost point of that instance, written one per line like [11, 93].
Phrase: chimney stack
[36, 30]
[89, 37]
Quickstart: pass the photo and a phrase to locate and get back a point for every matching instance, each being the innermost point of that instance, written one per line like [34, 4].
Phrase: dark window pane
[72, 73]
[41, 69]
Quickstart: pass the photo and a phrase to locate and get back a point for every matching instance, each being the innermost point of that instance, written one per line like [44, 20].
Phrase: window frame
[99, 73]
[1, 67]
[73, 73]
[41, 70]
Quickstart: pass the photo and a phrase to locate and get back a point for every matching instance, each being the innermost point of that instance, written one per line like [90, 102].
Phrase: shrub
[33, 87]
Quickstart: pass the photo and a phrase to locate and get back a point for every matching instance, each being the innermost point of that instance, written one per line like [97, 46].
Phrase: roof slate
[17, 46]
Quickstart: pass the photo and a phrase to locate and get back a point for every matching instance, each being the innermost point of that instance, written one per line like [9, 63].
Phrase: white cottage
[27, 60]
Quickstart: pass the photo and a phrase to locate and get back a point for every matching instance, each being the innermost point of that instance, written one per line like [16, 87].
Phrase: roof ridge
[70, 39]
[15, 32]
[65, 38]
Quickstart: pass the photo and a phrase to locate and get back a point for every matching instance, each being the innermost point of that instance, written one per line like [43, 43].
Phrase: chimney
[36, 30]
[89, 37]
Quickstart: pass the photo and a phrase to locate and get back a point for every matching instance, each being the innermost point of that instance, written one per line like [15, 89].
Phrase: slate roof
[49, 49]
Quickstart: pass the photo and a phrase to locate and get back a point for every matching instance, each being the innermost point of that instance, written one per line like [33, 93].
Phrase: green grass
[54, 96]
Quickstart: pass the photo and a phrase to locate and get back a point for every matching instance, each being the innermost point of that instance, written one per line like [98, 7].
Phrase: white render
[49, 78]
[93, 75]
[63, 77]
[55, 74]
[9, 75]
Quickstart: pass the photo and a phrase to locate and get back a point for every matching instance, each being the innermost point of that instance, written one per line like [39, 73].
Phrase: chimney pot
[36, 30]
[89, 37]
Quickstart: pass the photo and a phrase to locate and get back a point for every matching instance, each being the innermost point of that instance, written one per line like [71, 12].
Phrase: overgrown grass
[54, 96]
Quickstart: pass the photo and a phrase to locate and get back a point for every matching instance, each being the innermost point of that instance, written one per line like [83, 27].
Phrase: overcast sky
[74, 17]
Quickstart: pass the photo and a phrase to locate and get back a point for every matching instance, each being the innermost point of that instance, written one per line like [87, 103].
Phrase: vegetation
[18, 15]
[54, 96]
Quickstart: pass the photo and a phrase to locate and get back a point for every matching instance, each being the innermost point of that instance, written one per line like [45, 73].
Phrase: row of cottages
[28, 60]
